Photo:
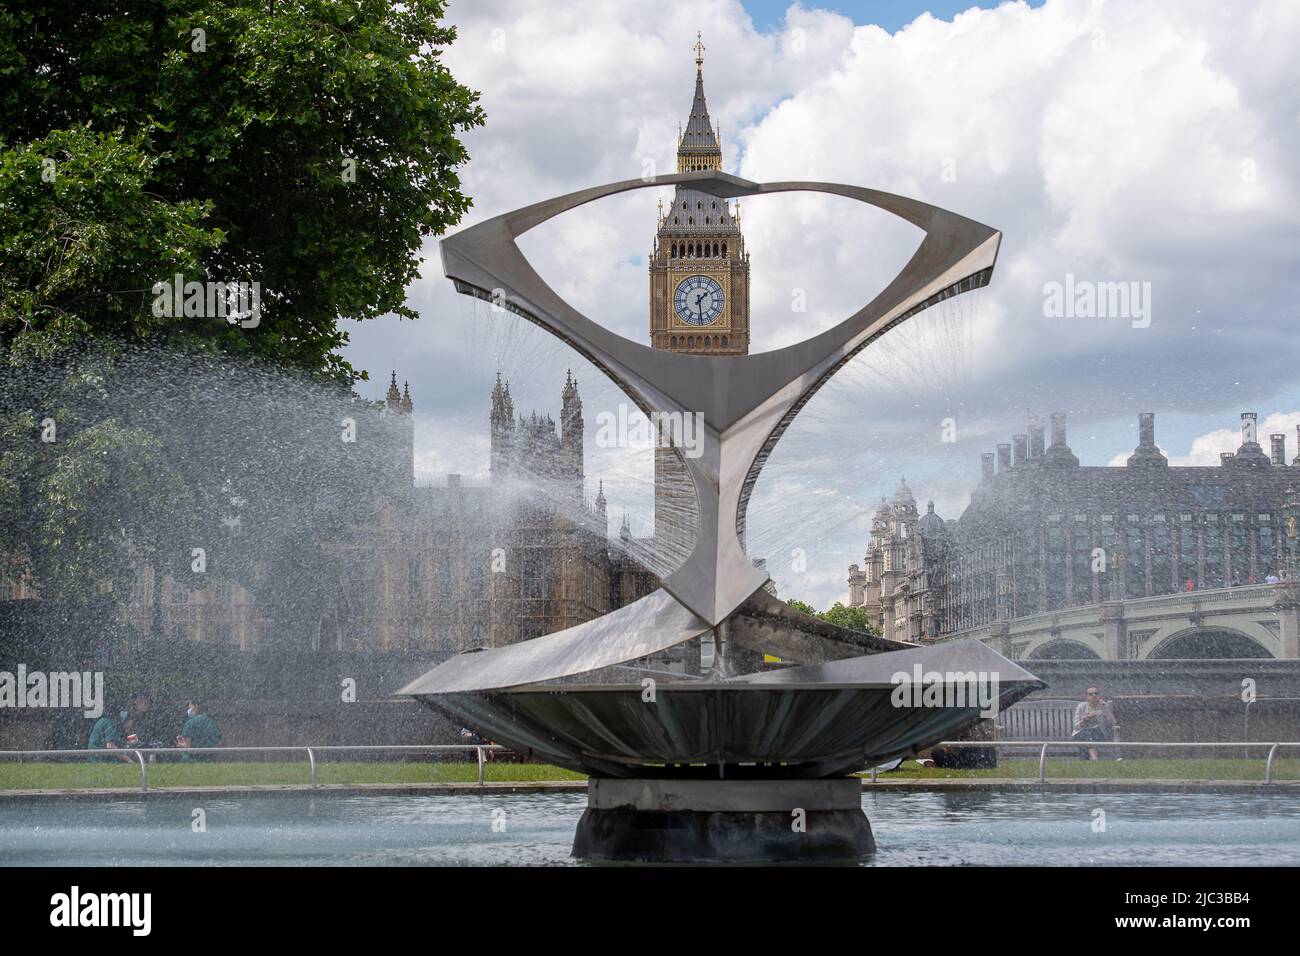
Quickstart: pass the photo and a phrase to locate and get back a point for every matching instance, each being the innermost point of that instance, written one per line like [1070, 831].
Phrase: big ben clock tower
[699, 301]
[699, 270]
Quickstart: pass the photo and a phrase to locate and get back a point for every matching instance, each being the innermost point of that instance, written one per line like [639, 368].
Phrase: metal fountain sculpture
[751, 763]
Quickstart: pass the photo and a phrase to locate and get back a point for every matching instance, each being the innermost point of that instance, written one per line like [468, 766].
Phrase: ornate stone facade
[1043, 533]
[447, 568]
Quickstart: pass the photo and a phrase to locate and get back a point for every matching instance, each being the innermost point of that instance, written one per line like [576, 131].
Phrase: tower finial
[699, 53]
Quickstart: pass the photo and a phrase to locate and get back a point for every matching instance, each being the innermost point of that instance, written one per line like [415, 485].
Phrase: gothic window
[1135, 572]
[528, 577]
[1239, 543]
[1081, 565]
[699, 205]
[683, 204]
[1187, 551]
[1213, 558]
[724, 341]
[706, 220]
[676, 221]
[690, 221]
[673, 343]
[724, 250]
[674, 252]
[714, 204]
[1267, 552]
[690, 341]
[1055, 565]
[1161, 560]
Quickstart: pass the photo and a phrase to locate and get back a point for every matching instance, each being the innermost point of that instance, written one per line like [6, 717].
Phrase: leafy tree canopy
[854, 618]
[307, 145]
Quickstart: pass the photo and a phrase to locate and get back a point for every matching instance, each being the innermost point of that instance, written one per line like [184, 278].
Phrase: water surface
[912, 828]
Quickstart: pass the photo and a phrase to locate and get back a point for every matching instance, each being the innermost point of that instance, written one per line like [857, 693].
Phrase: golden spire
[699, 53]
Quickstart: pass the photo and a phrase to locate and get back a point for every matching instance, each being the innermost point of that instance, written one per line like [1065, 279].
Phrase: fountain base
[723, 821]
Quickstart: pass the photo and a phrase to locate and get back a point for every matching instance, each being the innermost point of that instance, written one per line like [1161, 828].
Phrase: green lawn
[79, 776]
[1127, 769]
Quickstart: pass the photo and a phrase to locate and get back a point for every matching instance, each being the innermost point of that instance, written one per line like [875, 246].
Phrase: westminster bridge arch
[1253, 621]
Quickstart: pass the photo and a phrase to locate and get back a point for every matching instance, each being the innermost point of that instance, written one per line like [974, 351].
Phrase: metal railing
[1076, 745]
[481, 750]
[1245, 729]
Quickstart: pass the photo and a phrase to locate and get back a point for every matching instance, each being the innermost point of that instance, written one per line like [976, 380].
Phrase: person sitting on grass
[1093, 720]
[200, 731]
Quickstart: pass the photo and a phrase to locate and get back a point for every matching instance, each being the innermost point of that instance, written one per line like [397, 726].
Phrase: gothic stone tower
[699, 270]
[699, 299]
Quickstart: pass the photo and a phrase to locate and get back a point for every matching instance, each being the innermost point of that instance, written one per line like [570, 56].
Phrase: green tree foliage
[853, 618]
[308, 145]
[80, 232]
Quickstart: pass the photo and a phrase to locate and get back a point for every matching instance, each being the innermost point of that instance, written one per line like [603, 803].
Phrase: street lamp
[1115, 593]
[1291, 526]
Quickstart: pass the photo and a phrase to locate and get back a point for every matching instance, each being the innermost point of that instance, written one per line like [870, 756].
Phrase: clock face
[698, 300]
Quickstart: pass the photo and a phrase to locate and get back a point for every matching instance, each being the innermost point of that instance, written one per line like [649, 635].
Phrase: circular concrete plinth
[724, 821]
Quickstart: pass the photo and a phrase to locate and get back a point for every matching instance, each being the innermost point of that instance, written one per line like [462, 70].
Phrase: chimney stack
[1279, 448]
[1248, 425]
[1058, 429]
[1020, 453]
[1035, 438]
[986, 465]
[1059, 453]
[1146, 452]
[1004, 458]
[1147, 430]
[1251, 453]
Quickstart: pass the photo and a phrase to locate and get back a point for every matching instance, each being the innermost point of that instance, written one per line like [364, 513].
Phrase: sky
[892, 15]
[1148, 144]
